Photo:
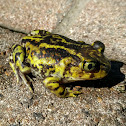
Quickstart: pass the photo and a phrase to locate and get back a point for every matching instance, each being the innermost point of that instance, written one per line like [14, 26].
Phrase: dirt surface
[26, 15]
[103, 102]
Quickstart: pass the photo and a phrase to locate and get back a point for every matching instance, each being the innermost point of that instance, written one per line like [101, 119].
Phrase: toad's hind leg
[58, 89]
[17, 63]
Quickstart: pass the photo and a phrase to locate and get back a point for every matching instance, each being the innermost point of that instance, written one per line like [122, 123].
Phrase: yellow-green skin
[57, 60]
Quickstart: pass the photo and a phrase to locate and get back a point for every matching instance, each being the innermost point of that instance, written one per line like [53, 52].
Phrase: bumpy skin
[57, 60]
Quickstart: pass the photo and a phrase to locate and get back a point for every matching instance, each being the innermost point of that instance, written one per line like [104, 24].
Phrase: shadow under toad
[113, 78]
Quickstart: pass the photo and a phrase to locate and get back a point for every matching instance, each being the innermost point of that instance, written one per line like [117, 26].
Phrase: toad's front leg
[58, 89]
[18, 65]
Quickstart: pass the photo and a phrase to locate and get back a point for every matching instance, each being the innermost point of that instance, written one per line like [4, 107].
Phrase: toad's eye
[90, 66]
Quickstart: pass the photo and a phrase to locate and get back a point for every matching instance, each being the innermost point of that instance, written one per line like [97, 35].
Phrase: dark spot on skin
[33, 42]
[57, 60]
[47, 66]
[36, 37]
[56, 88]
[57, 54]
[92, 75]
[33, 53]
[50, 87]
[17, 56]
[43, 32]
[103, 69]
[15, 46]
[62, 93]
[40, 55]
[11, 60]
[28, 48]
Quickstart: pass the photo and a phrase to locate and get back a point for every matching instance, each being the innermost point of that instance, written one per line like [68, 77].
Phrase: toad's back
[54, 46]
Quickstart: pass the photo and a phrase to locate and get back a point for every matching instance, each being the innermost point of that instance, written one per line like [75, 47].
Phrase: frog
[57, 60]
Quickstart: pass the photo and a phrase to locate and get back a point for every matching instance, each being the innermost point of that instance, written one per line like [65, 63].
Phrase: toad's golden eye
[90, 66]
